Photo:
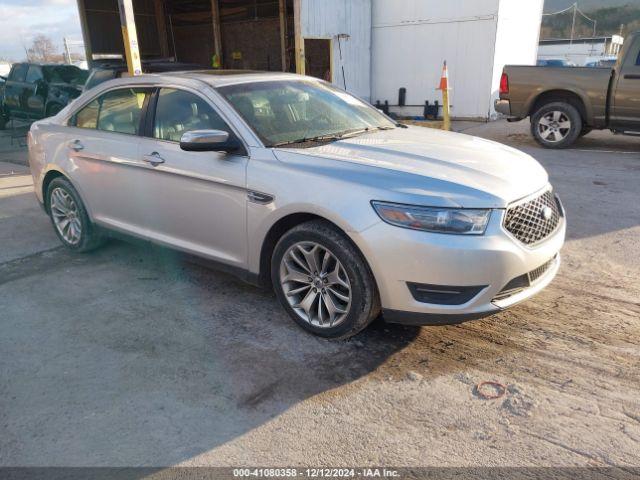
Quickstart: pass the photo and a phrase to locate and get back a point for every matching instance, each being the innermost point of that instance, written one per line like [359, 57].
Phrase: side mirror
[208, 141]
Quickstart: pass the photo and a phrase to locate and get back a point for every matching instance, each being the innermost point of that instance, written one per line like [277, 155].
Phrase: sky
[21, 20]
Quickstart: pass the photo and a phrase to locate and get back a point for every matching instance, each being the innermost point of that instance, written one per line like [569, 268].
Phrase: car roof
[219, 78]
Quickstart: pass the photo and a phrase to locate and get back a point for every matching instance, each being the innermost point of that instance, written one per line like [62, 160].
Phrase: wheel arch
[572, 97]
[282, 226]
[55, 172]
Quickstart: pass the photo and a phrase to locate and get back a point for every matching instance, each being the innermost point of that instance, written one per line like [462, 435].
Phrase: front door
[35, 93]
[197, 200]
[625, 105]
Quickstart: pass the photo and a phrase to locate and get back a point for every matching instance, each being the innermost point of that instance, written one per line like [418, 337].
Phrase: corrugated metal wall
[329, 18]
[411, 39]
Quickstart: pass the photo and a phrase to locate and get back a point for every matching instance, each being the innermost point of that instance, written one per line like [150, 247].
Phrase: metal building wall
[411, 39]
[328, 19]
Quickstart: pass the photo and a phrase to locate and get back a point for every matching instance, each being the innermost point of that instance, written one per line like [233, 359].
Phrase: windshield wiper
[318, 138]
[332, 136]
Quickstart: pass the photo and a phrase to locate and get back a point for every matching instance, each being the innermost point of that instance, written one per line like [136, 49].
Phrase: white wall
[329, 18]
[517, 37]
[412, 38]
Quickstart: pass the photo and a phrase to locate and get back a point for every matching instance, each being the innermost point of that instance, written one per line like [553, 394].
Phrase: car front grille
[527, 221]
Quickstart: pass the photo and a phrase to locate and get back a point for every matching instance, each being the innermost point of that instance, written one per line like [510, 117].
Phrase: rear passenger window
[116, 111]
[88, 116]
[178, 112]
[121, 110]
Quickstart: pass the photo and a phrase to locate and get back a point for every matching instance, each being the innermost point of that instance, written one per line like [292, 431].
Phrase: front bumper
[399, 257]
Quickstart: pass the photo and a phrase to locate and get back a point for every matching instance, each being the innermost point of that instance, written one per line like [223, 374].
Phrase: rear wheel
[556, 125]
[323, 282]
[69, 217]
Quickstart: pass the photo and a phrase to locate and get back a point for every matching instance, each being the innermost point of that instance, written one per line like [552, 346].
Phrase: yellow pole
[446, 120]
[444, 87]
[130, 37]
[298, 40]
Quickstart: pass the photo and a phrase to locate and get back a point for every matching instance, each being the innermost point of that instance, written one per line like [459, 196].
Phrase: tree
[42, 50]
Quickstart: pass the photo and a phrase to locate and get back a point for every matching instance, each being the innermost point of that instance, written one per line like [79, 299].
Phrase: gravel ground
[128, 356]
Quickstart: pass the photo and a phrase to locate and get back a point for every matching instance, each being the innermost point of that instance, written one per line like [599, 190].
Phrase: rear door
[103, 147]
[625, 104]
[196, 201]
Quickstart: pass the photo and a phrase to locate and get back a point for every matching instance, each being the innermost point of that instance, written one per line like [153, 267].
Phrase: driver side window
[178, 112]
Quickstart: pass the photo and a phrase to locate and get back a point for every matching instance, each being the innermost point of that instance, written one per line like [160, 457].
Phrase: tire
[556, 125]
[349, 268]
[62, 196]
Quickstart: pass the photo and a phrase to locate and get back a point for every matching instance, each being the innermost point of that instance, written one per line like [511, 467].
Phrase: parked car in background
[554, 62]
[602, 63]
[291, 182]
[101, 72]
[564, 104]
[33, 91]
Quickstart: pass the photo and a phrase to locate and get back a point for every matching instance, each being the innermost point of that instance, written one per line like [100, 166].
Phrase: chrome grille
[526, 220]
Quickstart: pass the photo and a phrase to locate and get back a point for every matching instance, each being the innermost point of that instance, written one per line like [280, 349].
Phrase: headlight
[460, 221]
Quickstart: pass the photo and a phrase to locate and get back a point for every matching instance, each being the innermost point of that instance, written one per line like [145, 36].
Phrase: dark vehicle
[566, 103]
[108, 71]
[34, 91]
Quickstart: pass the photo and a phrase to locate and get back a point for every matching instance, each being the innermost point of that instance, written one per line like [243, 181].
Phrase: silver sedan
[293, 183]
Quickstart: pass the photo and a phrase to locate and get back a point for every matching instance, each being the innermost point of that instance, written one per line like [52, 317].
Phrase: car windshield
[288, 112]
[65, 74]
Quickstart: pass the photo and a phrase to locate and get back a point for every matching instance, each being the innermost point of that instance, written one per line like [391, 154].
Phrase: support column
[283, 34]
[299, 41]
[161, 25]
[88, 52]
[130, 37]
[217, 33]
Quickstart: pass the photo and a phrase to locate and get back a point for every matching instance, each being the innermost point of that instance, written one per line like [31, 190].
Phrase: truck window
[33, 74]
[18, 72]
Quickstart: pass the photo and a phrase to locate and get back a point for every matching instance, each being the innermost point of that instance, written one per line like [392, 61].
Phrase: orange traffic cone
[444, 79]
[444, 87]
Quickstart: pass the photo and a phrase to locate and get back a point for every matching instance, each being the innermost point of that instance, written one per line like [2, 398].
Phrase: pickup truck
[565, 103]
[35, 91]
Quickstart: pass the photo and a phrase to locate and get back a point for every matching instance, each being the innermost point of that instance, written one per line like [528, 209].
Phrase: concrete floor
[129, 357]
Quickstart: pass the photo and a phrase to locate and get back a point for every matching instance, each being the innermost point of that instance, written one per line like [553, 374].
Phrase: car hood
[460, 169]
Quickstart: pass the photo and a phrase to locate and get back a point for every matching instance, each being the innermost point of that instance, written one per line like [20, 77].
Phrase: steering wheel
[310, 123]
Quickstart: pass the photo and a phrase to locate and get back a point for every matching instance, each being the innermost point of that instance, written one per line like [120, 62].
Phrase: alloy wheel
[66, 216]
[554, 126]
[315, 284]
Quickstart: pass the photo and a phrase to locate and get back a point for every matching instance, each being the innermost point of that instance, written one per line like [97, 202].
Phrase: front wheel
[323, 282]
[556, 125]
[69, 217]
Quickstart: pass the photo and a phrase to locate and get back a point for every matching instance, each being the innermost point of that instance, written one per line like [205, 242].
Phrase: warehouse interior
[244, 34]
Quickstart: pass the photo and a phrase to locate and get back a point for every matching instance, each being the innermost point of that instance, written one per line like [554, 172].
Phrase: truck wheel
[556, 125]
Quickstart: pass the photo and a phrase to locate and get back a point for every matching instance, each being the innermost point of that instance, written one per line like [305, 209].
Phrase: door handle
[632, 76]
[76, 145]
[154, 159]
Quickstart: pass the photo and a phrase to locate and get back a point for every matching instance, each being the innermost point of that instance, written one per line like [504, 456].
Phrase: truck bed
[526, 83]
